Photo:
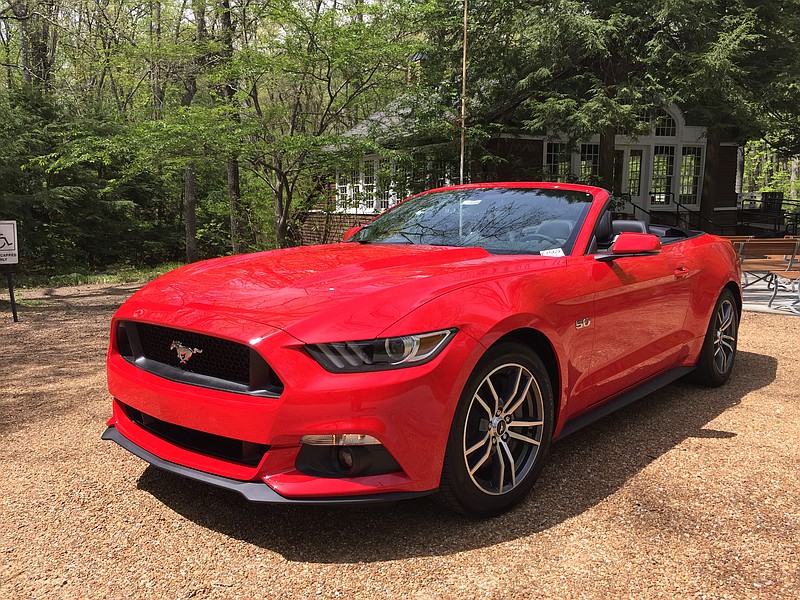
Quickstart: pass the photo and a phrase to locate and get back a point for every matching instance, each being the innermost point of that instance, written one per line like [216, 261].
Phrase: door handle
[681, 272]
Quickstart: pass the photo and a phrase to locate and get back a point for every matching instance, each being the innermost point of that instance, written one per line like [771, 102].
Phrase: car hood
[325, 293]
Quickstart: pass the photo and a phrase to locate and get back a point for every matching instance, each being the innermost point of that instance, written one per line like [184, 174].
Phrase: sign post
[9, 255]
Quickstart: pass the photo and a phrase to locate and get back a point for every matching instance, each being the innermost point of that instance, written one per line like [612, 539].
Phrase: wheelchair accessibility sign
[9, 255]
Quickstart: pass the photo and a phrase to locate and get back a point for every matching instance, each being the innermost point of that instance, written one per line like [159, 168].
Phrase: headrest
[604, 232]
[629, 225]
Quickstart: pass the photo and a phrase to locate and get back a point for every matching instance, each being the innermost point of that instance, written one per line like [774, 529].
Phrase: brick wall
[326, 228]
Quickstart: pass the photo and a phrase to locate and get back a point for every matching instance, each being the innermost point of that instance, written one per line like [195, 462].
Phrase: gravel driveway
[688, 493]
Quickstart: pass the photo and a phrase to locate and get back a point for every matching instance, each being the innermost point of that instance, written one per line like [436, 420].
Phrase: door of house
[629, 171]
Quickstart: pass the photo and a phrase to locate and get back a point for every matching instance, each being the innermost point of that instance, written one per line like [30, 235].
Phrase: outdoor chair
[774, 261]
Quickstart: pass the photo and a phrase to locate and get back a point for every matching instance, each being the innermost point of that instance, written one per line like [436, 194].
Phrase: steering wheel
[528, 237]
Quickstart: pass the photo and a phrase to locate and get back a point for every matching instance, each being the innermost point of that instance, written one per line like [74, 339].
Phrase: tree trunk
[157, 86]
[606, 166]
[283, 188]
[229, 91]
[199, 9]
[227, 42]
[234, 195]
[708, 195]
[37, 42]
[189, 179]
[281, 226]
[190, 213]
[281, 232]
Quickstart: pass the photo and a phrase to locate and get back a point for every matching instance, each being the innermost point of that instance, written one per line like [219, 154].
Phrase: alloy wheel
[724, 336]
[503, 429]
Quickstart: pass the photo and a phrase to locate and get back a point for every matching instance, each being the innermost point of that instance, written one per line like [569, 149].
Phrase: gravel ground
[688, 493]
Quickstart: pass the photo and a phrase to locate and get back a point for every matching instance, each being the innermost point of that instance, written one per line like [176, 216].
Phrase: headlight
[380, 354]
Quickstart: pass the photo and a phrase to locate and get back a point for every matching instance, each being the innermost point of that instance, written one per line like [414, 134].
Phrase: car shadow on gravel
[582, 470]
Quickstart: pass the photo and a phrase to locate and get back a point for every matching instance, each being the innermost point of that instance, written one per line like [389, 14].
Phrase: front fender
[485, 314]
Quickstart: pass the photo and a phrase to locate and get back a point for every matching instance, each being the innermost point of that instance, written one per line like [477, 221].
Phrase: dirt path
[688, 493]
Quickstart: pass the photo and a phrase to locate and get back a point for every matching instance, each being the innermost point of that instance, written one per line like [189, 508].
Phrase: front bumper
[251, 490]
[408, 410]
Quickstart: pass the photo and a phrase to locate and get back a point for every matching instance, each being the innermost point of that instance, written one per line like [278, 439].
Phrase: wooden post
[11, 294]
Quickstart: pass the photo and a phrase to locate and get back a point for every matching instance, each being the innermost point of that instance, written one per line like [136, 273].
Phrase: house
[657, 177]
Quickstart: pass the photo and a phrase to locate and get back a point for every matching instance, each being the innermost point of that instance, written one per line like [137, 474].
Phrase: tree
[731, 69]
[327, 66]
[125, 123]
[569, 67]
[38, 39]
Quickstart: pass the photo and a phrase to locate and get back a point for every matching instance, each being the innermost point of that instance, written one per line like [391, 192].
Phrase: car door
[640, 307]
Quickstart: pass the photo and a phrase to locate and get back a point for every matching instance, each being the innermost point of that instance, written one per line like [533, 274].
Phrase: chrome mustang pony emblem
[184, 352]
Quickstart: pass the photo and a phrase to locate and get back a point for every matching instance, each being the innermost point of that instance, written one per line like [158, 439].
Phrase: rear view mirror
[351, 232]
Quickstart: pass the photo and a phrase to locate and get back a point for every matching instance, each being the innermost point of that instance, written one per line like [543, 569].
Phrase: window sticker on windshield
[470, 202]
[552, 252]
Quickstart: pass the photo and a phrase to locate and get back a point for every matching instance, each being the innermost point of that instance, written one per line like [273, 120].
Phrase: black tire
[718, 354]
[490, 463]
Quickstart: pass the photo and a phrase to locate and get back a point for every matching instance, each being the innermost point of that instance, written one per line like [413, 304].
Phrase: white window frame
[693, 198]
[355, 194]
[555, 167]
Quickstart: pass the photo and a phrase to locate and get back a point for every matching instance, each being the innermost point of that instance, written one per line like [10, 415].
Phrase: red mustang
[441, 348]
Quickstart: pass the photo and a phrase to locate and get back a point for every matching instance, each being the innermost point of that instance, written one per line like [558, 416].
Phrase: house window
[590, 161]
[372, 186]
[368, 185]
[442, 173]
[635, 173]
[344, 192]
[663, 169]
[386, 200]
[356, 189]
[690, 174]
[418, 174]
[666, 126]
[395, 189]
[558, 161]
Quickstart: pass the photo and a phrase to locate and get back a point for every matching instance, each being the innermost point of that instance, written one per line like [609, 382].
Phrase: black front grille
[197, 359]
[212, 356]
[217, 446]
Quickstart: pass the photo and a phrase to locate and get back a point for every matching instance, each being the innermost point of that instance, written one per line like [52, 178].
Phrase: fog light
[340, 439]
[328, 460]
[354, 461]
[346, 458]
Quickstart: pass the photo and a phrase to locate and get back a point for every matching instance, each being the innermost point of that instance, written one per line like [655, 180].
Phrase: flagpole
[463, 96]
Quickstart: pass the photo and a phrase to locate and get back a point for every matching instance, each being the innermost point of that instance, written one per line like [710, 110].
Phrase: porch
[765, 214]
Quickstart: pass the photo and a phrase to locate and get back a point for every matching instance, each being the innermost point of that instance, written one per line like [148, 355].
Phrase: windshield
[501, 220]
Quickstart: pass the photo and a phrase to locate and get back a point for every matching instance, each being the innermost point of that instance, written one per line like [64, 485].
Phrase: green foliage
[120, 275]
[63, 221]
[324, 69]
[100, 121]
[765, 170]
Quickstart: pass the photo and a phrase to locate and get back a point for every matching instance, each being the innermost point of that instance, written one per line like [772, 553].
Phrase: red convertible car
[441, 348]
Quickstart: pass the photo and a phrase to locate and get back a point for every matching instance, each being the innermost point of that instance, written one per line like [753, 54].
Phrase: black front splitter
[252, 490]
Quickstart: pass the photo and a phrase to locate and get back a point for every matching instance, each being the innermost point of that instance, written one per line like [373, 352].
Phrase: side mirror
[351, 232]
[632, 244]
[636, 243]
